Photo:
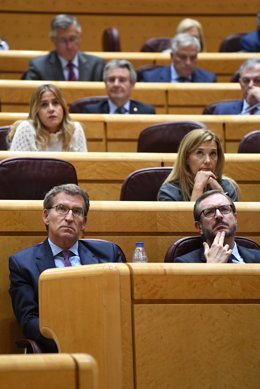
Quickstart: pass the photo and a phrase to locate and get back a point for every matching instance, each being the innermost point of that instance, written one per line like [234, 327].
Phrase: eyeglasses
[246, 80]
[65, 41]
[64, 210]
[211, 212]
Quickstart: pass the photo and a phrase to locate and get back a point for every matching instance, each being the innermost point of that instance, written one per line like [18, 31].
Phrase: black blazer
[136, 107]
[48, 67]
[25, 269]
[197, 256]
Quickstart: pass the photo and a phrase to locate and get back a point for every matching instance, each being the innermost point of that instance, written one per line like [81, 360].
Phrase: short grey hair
[249, 63]
[185, 40]
[63, 21]
[70, 189]
[122, 64]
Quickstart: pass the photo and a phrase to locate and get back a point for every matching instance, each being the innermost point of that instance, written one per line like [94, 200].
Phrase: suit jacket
[197, 256]
[229, 108]
[25, 268]
[251, 42]
[48, 67]
[163, 74]
[136, 107]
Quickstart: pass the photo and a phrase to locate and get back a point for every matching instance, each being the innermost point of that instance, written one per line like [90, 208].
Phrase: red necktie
[72, 75]
[66, 256]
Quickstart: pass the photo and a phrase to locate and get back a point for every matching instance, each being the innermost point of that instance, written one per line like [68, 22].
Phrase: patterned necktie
[66, 256]
[121, 110]
[72, 75]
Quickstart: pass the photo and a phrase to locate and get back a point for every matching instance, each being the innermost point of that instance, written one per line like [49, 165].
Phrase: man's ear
[84, 223]
[45, 217]
[198, 227]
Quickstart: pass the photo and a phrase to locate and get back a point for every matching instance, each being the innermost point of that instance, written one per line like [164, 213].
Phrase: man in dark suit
[249, 78]
[251, 42]
[216, 220]
[64, 215]
[184, 55]
[66, 62]
[120, 78]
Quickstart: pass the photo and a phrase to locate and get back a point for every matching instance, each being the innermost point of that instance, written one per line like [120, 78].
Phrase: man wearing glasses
[249, 79]
[66, 62]
[184, 56]
[216, 220]
[64, 215]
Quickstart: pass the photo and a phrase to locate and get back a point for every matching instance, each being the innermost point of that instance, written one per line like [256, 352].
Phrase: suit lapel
[87, 257]
[248, 256]
[44, 257]
[56, 68]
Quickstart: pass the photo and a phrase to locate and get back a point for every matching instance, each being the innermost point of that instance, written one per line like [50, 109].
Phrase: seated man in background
[66, 62]
[216, 220]
[120, 78]
[65, 216]
[184, 56]
[249, 78]
[251, 42]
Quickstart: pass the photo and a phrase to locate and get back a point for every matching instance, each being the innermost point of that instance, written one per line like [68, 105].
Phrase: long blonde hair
[186, 24]
[181, 172]
[42, 136]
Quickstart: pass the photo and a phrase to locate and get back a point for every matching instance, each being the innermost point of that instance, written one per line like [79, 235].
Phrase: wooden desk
[158, 325]
[157, 224]
[58, 371]
[172, 98]
[102, 174]
[13, 63]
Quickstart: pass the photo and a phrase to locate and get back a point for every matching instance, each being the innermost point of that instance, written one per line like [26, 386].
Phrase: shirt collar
[245, 107]
[56, 249]
[64, 62]
[175, 75]
[113, 107]
[236, 254]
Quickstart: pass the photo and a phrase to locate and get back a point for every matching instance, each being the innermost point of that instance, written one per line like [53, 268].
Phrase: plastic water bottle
[139, 254]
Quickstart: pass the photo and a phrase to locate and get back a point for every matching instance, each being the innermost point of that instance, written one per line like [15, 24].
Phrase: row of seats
[166, 137]
[111, 41]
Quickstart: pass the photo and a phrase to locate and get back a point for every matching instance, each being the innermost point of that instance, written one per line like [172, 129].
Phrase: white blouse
[25, 135]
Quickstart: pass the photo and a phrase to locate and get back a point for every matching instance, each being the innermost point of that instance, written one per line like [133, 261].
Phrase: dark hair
[70, 189]
[196, 208]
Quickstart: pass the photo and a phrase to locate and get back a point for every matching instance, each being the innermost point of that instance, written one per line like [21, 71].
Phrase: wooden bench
[120, 134]
[135, 24]
[13, 63]
[168, 98]
[102, 174]
[59, 371]
[158, 325]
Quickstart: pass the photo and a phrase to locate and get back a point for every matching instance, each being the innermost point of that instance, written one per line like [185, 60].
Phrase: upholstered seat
[111, 39]
[78, 105]
[231, 43]
[250, 143]
[165, 137]
[184, 245]
[29, 178]
[144, 184]
[157, 44]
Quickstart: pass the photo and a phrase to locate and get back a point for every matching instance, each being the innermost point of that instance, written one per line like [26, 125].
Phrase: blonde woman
[198, 168]
[48, 127]
[192, 27]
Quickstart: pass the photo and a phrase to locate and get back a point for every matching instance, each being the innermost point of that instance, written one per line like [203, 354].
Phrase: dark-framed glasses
[63, 210]
[211, 212]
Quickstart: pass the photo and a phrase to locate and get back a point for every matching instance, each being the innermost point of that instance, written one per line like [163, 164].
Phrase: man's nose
[218, 213]
[69, 215]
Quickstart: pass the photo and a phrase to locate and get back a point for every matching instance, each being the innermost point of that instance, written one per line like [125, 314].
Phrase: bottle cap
[139, 244]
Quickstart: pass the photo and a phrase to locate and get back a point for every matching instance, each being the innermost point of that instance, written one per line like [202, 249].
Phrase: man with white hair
[184, 56]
